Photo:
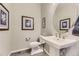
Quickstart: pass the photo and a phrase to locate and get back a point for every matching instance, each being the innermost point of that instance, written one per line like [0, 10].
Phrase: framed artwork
[65, 24]
[27, 23]
[43, 22]
[4, 18]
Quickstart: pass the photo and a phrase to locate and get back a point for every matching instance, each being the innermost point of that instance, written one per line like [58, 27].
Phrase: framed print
[4, 18]
[27, 23]
[65, 24]
[43, 22]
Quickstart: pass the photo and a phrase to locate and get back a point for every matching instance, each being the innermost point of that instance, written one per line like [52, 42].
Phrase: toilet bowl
[35, 48]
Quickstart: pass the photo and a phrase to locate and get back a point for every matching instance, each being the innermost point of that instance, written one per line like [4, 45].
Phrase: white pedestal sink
[58, 43]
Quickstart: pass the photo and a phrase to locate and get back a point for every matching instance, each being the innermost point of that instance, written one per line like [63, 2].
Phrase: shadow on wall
[75, 30]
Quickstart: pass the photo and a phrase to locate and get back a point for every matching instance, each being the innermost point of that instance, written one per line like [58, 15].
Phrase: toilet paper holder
[27, 39]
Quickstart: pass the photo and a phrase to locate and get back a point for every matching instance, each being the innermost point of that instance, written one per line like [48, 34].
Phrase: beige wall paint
[14, 39]
[64, 11]
[18, 35]
[48, 10]
[5, 38]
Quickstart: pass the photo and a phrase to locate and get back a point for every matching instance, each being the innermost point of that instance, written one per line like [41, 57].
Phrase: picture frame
[64, 24]
[4, 17]
[27, 23]
[44, 22]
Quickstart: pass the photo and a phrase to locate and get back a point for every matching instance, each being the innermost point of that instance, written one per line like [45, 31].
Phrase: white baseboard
[23, 50]
[17, 51]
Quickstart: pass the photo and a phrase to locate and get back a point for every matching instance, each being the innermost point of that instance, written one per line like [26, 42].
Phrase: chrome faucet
[59, 35]
[63, 37]
[56, 34]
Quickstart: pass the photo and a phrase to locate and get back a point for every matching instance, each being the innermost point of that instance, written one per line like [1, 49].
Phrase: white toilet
[35, 48]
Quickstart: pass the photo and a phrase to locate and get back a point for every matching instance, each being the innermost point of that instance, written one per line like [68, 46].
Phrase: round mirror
[64, 17]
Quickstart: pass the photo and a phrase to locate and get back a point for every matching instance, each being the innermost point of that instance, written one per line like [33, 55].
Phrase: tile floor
[28, 54]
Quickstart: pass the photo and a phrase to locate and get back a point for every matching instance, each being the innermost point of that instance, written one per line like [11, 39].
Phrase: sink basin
[59, 42]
